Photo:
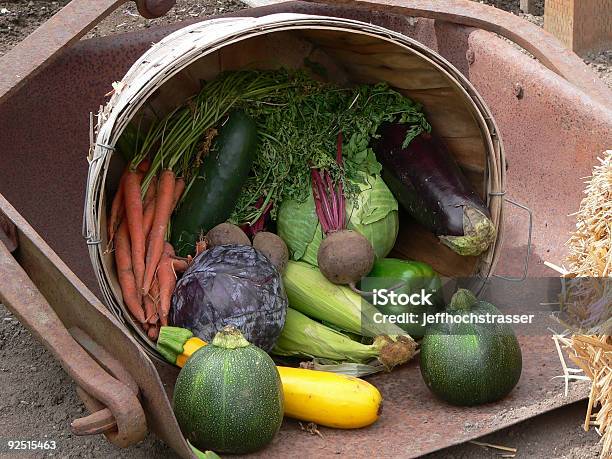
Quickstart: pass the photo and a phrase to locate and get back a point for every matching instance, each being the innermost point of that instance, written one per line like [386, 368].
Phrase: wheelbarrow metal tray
[552, 132]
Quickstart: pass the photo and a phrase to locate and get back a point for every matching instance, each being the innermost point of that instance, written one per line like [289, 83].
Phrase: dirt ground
[18, 18]
[38, 400]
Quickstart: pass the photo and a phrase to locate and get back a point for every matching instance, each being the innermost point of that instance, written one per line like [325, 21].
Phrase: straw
[590, 246]
[594, 357]
[587, 301]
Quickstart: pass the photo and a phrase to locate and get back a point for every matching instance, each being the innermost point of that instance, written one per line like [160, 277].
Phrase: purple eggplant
[428, 183]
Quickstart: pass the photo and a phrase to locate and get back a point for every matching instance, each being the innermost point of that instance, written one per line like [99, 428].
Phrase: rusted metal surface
[413, 423]
[66, 299]
[151, 9]
[545, 47]
[8, 234]
[66, 27]
[552, 135]
[98, 422]
[22, 297]
[109, 363]
[101, 419]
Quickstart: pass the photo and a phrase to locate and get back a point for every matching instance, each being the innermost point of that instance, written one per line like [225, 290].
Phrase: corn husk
[357, 370]
[312, 294]
[586, 302]
[304, 337]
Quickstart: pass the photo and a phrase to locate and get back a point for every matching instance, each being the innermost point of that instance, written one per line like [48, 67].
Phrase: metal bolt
[470, 56]
[518, 91]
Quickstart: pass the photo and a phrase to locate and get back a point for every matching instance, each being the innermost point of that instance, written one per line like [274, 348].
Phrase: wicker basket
[352, 52]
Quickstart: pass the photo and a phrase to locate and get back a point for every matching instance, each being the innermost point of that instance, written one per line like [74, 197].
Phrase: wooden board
[528, 6]
[582, 25]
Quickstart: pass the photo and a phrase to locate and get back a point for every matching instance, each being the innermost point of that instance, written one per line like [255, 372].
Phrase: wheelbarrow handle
[544, 46]
[20, 295]
[72, 22]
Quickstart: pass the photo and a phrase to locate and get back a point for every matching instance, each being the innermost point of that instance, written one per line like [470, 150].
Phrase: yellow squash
[327, 399]
[191, 345]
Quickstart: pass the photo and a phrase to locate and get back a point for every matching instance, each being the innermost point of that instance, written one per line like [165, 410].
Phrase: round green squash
[470, 363]
[228, 397]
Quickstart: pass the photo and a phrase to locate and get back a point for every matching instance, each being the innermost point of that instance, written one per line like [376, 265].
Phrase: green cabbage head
[372, 212]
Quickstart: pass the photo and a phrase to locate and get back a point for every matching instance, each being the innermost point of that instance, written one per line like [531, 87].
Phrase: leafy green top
[298, 119]
[298, 128]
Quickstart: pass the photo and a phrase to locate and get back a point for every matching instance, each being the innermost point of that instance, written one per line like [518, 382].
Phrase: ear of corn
[305, 337]
[312, 294]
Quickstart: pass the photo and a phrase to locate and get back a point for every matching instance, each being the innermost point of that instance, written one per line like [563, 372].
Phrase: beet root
[226, 233]
[344, 257]
[273, 247]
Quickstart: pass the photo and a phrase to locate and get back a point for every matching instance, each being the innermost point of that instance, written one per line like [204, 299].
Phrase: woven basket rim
[185, 46]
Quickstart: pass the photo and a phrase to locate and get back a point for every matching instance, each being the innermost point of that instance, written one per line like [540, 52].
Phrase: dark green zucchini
[215, 191]
[470, 363]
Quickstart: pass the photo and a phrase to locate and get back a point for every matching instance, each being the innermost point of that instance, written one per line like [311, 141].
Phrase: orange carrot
[179, 266]
[149, 209]
[163, 211]
[116, 211]
[151, 192]
[150, 309]
[179, 187]
[134, 217]
[147, 219]
[125, 274]
[154, 295]
[117, 207]
[167, 282]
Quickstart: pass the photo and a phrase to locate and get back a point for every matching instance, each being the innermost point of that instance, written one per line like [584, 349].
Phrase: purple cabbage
[231, 284]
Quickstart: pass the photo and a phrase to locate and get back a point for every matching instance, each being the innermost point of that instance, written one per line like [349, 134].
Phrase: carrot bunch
[146, 263]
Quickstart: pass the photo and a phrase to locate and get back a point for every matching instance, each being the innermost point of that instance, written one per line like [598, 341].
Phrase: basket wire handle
[523, 276]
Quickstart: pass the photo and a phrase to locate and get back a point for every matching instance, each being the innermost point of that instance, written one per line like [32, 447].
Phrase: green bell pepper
[407, 279]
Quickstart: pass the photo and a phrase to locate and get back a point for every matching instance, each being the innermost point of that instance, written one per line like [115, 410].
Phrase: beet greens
[298, 129]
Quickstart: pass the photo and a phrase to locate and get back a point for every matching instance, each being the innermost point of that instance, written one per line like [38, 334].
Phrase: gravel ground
[38, 399]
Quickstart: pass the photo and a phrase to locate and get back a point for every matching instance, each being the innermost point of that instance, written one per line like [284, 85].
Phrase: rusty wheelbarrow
[554, 116]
